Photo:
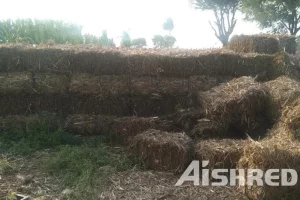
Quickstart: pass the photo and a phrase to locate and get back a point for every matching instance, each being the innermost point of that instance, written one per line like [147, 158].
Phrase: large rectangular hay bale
[46, 83]
[239, 104]
[267, 44]
[16, 83]
[221, 154]
[288, 43]
[164, 151]
[65, 59]
[271, 154]
[284, 91]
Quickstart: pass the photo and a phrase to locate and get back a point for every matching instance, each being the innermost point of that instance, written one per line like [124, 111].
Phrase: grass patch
[87, 168]
[5, 166]
[36, 135]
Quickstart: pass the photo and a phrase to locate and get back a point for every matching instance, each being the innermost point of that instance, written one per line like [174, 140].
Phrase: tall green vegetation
[282, 16]
[103, 40]
[39, 31]
[126, 40]
[225, 16]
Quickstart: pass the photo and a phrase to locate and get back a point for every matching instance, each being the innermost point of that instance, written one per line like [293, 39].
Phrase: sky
[141, 18]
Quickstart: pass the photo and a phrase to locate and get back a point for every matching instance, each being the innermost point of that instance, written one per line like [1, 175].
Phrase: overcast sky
[141, 18]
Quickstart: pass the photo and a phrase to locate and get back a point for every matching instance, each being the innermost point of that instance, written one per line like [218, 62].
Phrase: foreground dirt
[24, 176]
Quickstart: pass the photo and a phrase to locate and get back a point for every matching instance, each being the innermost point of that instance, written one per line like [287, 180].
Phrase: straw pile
[284, 91]
[254, 43]
[221, 154]
[165, 151]
[239, 104]
[288, 43]
[271, 154]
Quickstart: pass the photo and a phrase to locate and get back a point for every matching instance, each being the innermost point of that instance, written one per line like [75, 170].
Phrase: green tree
[105, 41]
[138, 42]
[225, 15]
[160, 41]
[168, 25]
[279, 15]
[126, 41]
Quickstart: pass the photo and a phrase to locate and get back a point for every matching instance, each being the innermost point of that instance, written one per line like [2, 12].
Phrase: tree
[126, 41]
[279, 15]
[138, 42]
[105, 41]
[160, 41]
[224, 11]
[168, 25]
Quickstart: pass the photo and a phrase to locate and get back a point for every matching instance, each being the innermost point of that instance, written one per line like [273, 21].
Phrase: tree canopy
[224, 11]
[280, 15]
[160, 41]
[168, 25]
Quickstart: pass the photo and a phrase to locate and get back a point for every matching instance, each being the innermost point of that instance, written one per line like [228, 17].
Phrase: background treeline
[35, 31]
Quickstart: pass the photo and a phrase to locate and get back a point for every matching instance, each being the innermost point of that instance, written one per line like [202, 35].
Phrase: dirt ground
[24, 176]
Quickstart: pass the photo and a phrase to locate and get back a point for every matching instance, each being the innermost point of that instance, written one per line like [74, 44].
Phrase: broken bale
[221, 154]
[165, 151]
[186, 119]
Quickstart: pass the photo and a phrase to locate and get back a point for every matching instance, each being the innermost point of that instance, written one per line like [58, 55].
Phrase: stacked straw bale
[221, 154]
[267, 44]
[239, 104]
[16, 83]
[64, 59]
[288, 43]
[165, 151]
[284, 91]
[271, 154]
[44, 83]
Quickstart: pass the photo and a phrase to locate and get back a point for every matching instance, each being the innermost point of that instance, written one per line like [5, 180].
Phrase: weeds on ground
[82, 165]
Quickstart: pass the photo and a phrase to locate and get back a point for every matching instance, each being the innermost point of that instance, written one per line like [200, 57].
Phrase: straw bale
[89, 124]
[18, 58]
[267, 44]
[163, 151]
[271, 154]
[134, 62]
[102, 86]
[186, 119]
[17, 104]
[221, 154]
[206, 129]
[126, 128]
[16, 83]
[284, 91]
[288, 43]
[239, 104]
[51, 83]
